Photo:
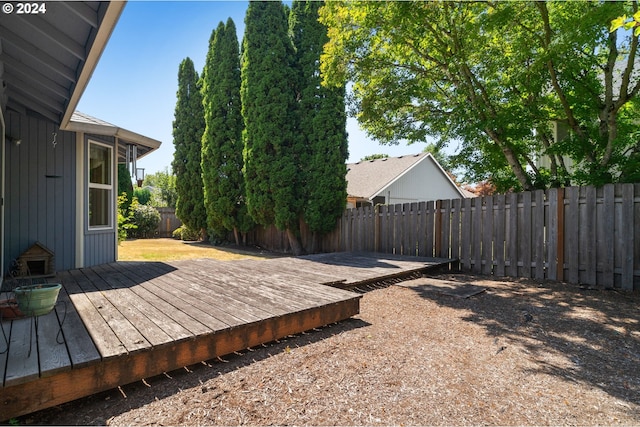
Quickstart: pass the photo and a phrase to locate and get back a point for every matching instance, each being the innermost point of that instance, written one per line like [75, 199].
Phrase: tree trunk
[312, 245]
[204, 235]
[296, 247]
[512, 160]
[236, 236]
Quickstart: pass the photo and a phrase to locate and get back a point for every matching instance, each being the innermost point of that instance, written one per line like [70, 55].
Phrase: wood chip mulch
[518, 353]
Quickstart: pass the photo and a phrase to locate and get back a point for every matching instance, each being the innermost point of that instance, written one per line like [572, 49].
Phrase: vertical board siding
[39, 189]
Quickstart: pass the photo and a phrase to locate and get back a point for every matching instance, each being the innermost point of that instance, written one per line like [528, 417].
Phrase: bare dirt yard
[520, 353]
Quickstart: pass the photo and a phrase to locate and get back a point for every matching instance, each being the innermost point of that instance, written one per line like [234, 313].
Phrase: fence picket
[524, 235]
[421, 228]
[572, 247]
[455, 228]
[552, 234]
[588, 238]
[430, 221]
[476, 235]
[499, 232]
[465, 253]
[626, 248]
[445, 229]
[608, 233]
[512, 238]
[487, 236]
[538, 234]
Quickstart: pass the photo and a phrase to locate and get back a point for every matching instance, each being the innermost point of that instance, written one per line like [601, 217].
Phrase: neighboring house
[559, 130]
[403, 179]
[59, 167]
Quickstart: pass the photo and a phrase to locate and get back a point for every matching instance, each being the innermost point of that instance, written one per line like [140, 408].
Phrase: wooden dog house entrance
[37, 261]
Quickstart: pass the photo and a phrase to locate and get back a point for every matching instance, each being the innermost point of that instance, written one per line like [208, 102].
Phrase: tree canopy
[321, 120]
[498, 77]
[271, 151]
[188, 126]
[222, 139]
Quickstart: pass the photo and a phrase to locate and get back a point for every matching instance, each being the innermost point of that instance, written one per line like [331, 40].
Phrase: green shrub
[146, 218]
[125, 218]
[186, 233]
[143, 195]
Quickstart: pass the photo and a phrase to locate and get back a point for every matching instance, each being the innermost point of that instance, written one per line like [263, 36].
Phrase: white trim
[110, 187]
[117, 132]
[80, 199]
[115, 203]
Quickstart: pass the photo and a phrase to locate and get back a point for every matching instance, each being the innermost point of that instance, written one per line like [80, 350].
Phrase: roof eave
[114, 131]
[107, 25]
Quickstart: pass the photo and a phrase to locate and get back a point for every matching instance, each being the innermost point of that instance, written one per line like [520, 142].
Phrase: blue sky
[135, 82]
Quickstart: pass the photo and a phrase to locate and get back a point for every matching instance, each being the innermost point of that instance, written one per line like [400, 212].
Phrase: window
[100, 186]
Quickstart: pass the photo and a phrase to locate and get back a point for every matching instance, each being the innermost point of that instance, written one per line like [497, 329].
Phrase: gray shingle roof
[366, 178]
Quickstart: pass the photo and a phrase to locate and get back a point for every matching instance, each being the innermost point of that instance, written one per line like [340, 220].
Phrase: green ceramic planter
[36, 300]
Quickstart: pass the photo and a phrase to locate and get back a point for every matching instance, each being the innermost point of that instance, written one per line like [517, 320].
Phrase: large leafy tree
[321, 123]
[222, 139]
[163, 188]
[493, 75]
[188, 126]
[271, 151]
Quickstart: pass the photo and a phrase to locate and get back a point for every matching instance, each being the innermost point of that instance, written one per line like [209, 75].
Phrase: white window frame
[109, 187]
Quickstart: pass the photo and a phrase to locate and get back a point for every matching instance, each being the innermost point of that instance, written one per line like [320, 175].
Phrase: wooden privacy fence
[584, 235]
[169, 222]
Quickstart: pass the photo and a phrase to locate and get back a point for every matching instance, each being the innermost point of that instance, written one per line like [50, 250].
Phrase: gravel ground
[520, 353]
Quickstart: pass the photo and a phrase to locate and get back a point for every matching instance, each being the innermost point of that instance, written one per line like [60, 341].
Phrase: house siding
[99, 248]
[423, 182]
[39, 189]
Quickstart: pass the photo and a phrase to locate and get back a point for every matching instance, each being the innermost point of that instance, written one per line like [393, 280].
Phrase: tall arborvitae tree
[222, 140]
[187, 139]
[271, 152]
[322, 123]
[124, 182]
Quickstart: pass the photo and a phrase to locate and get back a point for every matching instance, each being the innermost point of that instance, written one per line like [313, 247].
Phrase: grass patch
[173, 250]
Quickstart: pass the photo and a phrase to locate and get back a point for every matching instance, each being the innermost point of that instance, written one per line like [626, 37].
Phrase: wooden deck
[122, 322]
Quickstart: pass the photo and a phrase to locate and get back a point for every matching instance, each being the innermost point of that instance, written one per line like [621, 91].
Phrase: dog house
[37, 261]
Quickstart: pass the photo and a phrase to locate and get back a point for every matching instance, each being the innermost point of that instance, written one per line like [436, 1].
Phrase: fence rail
[583, 235]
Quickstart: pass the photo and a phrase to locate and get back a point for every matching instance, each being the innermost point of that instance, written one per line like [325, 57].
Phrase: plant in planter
[37, 300]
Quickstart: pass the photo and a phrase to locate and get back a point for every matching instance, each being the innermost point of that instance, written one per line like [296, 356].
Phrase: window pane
[99, 164]
[99, 207]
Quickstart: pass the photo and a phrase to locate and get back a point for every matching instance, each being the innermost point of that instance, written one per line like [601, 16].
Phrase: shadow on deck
[122, 322]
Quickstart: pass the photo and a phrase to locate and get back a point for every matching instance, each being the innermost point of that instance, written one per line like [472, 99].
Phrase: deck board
[21, 364]
[103, 336]
[175, 322]
[154, 308]
[83, 351]
[114, 311]
[129, 306]
[126, 321]
[52, 351]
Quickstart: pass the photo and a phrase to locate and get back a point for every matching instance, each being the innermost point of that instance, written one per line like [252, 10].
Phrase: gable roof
[46, 59]
[367, 179]
[81, 122]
